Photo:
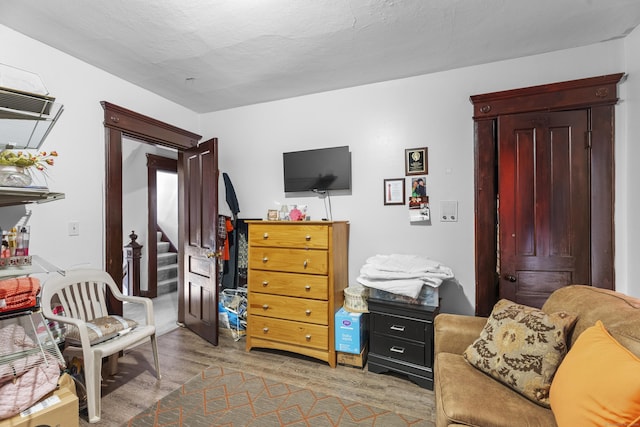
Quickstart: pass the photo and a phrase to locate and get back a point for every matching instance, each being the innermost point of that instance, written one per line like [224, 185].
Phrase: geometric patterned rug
[228, 398]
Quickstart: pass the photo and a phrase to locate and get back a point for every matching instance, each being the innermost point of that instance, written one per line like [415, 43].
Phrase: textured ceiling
[210, 55]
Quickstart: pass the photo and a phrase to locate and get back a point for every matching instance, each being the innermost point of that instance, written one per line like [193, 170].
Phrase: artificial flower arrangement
[23, 159]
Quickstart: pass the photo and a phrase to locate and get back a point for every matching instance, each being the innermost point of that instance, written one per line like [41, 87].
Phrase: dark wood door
[544, 204]
[199, 244]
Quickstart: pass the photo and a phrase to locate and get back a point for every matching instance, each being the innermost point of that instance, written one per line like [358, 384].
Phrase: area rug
[230, 398]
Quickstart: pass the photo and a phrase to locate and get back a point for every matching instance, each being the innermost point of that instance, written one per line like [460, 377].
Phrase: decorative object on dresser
[297, 275]
[401, 339]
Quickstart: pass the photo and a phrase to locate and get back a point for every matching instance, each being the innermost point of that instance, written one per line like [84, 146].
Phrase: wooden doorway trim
[597, 95]
[119, 122]
[154, 164]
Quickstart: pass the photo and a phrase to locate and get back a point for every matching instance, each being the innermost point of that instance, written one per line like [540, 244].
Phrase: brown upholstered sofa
[467, 397]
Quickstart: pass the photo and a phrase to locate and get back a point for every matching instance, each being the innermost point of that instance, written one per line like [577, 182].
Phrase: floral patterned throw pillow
[522, 347]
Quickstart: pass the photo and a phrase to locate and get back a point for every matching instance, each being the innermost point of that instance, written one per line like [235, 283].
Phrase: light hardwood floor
[183, 355]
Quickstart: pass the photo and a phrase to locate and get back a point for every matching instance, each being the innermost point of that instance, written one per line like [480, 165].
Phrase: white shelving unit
[45, 348]
[11, 196]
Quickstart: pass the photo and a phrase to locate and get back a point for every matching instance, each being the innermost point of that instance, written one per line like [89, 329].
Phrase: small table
[401, 339]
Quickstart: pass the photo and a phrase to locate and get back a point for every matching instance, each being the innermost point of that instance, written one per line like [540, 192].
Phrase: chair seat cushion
[102, 329]
[467, 396]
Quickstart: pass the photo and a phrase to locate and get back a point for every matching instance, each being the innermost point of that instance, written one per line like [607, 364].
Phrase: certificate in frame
[394, 191]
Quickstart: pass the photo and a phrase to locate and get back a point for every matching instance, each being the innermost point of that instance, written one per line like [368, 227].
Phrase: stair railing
[133, 254]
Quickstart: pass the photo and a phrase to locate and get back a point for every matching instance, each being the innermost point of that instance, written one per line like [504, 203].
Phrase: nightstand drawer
[289, 284]
[296, 333]
[398, 349]
[299, 309]
[289, 236]
[289, 260]
[398, 327]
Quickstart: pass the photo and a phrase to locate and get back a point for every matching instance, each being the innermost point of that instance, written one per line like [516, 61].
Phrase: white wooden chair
[82, 294]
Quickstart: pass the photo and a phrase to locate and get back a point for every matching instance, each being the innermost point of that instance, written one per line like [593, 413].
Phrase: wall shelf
[12, 196]
[38, 265]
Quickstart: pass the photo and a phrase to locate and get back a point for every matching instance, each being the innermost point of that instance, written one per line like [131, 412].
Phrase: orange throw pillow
[597, 383]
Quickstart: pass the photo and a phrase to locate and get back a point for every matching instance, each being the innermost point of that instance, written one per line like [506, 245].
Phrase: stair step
[163, 247]
[167, 258]
[158, 236]
[166, 272]
[167, 286]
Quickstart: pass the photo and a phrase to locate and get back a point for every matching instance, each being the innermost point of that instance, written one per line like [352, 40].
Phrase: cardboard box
[355, 360]
[351, 331]
[57, 409]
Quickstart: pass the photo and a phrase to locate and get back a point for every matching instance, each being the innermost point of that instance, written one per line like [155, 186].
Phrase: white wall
[628, 176]
[167, 194]
[379, 122]
[79, 139]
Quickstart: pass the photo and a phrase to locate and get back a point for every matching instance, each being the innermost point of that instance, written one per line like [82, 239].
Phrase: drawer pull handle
[307, 237]
[397, 328]
[308, 337]
[265, 283]
[265, 330]
[265, 306]
[308, 312]
[397, 349]
[265, 259]
[307, 288]
[305, 263]
[265, 236]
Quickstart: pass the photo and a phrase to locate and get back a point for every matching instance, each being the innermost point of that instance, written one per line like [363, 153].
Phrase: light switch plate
[73, 228]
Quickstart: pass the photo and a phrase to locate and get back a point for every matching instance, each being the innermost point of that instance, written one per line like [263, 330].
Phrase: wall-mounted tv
[317, 170]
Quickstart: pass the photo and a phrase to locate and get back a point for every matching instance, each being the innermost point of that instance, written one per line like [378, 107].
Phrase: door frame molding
[597, 95]
[119, 122]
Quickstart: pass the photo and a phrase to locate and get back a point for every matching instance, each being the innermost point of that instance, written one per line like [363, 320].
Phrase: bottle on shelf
[22, 242]
[12, 238]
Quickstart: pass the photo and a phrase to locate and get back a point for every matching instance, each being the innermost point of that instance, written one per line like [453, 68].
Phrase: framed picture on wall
[394, 192]
[415, 161]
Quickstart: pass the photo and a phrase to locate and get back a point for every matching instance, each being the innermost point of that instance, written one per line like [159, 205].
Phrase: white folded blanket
[408, 264]
[402, 274]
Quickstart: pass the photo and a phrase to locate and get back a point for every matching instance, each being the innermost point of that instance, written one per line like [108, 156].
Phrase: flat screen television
[317, 170]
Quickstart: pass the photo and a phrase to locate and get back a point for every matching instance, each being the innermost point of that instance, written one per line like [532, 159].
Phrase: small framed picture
[415, 161]
[394, 191]
[272, 215]
[418, 186]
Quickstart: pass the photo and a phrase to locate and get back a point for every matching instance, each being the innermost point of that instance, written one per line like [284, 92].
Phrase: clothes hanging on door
[229, 207]
[230, 195]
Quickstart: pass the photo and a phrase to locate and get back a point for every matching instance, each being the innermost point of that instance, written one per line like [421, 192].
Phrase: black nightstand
[401, 340]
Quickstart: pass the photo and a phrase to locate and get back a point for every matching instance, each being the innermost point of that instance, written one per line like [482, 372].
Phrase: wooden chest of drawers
[296, 280]
[401, 340]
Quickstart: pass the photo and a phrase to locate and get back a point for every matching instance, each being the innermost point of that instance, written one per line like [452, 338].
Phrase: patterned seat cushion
[101, 329]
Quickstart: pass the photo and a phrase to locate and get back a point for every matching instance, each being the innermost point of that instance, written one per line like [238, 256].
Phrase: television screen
[321, 169]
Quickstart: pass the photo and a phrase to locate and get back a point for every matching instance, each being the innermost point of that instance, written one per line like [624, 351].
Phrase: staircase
[167, 267]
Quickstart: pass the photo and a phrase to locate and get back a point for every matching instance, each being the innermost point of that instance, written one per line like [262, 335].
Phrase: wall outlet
[73, 228]
[449, 210]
